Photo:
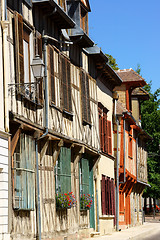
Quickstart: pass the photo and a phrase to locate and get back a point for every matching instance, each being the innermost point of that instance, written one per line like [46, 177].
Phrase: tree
[112, 62]
[150, 113]
[138, 69]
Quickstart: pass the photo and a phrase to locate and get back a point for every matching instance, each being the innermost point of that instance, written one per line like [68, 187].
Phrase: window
[26, 85]
[24, 174]
[107, 196]
[85, 99]
[105, 130]
[63, 171]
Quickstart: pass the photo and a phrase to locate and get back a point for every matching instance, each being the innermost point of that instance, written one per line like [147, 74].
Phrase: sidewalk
[137, 233]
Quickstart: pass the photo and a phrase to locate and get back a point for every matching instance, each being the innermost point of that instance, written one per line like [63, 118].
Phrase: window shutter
[69, 86]
[85, 99]
[18, 20]
[38, 50]
[105, 132]
[109, 137]
[103, 195]
[107, 195]
[51, 74]
[66, 84]
[24, 173]
[85, 175]
[100, 126]
[64, 170]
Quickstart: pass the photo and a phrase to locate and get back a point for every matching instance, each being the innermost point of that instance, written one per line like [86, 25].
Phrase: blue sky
[130, 32]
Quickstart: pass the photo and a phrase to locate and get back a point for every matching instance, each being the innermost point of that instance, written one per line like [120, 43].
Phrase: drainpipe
[117, 178]
[45, 86]
[137, 156]
[124, 148]
[44, 135]
[38, 193]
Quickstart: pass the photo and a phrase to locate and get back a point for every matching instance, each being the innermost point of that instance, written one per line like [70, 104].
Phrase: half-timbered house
[53, 120]
[131, 148]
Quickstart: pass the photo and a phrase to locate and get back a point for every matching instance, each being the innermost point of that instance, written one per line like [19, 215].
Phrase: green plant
[65, 201]
[85, 201]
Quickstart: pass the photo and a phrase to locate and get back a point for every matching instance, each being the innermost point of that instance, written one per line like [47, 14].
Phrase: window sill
[27, 99]
[87, 123]
[108, 155]
[52, 105]
[106, 217]
[68, 115]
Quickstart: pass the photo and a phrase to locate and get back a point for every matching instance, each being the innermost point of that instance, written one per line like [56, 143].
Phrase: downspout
[38, 193]
[117, 178]
[124, 148]
[45, 86]
[44, 135]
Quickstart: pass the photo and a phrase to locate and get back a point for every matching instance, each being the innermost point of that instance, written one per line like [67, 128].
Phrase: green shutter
[24, 174]
[63, 170]
[85, 176]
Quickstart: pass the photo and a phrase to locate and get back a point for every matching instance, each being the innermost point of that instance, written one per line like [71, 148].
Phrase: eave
[55, 12]
[96, 53]
[108, 76]
[78, 36]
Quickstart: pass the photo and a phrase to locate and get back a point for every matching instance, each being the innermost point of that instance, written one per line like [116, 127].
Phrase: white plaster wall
[3, 187]
[105, 97]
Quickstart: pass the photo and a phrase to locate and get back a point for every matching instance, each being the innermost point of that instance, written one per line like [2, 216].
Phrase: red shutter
[109, 137]
[100, 126]
[107, 196]
[103, 195]
[113, 194]
[105, 132]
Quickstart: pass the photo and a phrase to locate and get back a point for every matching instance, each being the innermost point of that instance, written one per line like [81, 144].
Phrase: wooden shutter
[109, 133]
[85, 175]
[100, 127]
[24, 173]
[51, 74]
[105, 131]
[103, 195]
[66, 84]
[64, 170]
[18, 20]
[85, 99]
[38, 50]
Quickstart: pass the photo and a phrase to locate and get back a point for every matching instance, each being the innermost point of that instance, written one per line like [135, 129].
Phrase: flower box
[85, 202]
[65, 201]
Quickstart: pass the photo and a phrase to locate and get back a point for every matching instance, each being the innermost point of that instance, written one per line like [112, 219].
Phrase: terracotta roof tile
[129, 75]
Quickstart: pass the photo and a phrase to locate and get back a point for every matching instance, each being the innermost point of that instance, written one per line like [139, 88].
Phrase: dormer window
[84, 20]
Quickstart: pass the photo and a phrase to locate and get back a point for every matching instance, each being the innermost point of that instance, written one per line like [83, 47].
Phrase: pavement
[151, 226]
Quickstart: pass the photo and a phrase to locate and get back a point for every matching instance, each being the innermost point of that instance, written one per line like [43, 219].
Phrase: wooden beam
[44, 149]
[15, 140]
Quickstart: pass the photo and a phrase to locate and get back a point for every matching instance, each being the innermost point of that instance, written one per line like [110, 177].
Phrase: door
[91, 192]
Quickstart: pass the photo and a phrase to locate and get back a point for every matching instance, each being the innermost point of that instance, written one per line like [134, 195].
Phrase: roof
[140, 93]
[129, 76]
